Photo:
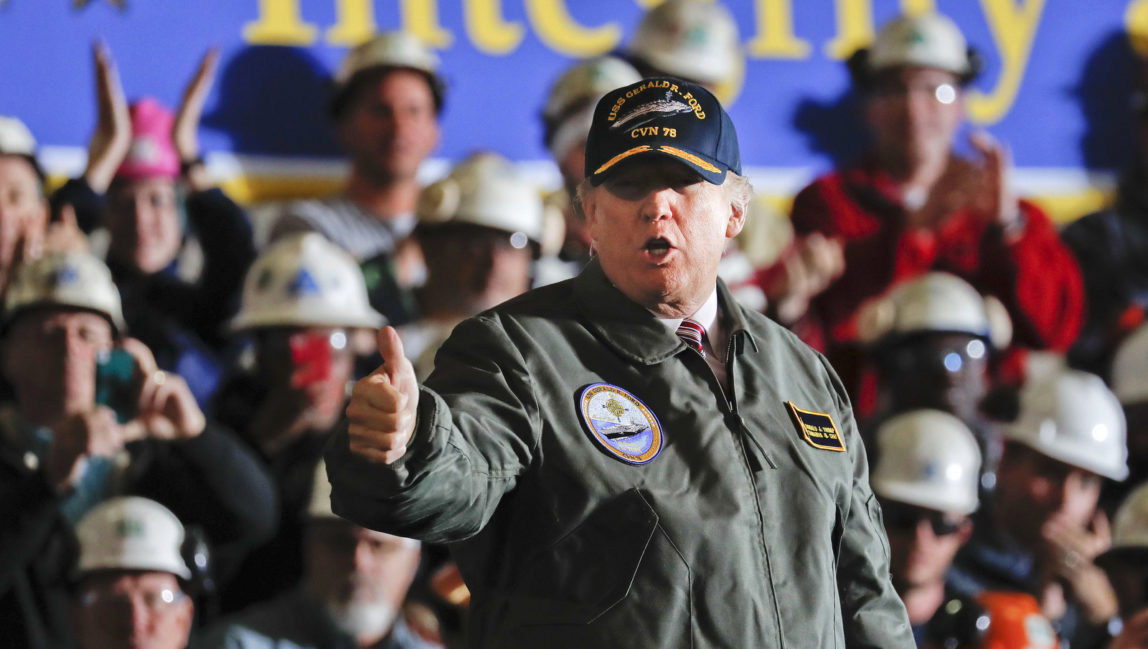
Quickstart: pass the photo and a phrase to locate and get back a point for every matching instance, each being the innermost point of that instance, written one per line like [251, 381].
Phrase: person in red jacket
[912, 206]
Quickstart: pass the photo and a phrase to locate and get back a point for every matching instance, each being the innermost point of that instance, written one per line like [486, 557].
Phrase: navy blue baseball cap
[662, 116]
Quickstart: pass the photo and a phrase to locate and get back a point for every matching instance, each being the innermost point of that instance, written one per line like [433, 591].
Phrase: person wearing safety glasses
[304, 302]
[913, 205]
[132, 578]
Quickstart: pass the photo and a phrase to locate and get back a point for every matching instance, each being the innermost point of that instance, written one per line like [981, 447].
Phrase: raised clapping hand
[982, 185]
[995, 200]
[384, 404]
[113, 136]
[184, 133]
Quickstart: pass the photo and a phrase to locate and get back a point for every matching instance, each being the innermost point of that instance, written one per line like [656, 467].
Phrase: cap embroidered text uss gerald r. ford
[662, 117]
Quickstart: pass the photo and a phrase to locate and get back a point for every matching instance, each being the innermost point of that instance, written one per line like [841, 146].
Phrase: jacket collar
[632, 331]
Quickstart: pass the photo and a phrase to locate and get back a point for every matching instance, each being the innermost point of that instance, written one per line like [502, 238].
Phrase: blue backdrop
[1057, 83]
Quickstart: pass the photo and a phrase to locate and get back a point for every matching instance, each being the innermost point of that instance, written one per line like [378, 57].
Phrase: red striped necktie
[691, 333]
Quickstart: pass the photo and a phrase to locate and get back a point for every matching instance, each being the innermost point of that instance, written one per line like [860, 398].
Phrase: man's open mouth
[657, 246]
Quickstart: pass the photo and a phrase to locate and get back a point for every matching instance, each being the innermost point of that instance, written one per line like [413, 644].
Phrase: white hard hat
[485, 190]
[935, 302]
[304, 280]
[1072, 417]
[586, 82]
[15, 138]
[570, 106]
[927, 40]
[1130, 368]
[320, 505]
[928, 458]
[131, 533]
[69, 279]
[1130, 527]
[692, 39]
[396, 49]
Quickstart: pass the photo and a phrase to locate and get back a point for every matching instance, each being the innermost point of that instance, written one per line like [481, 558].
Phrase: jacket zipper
[754, 460]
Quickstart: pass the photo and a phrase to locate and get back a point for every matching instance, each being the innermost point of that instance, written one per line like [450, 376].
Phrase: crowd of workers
[171, 378]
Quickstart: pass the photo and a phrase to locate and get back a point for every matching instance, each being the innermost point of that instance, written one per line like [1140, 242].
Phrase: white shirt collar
[706, 315]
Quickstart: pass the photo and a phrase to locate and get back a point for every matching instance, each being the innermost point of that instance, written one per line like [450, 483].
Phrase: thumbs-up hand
[384, 404]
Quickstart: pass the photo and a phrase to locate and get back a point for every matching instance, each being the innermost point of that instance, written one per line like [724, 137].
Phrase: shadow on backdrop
[835, 128]
[1108, 81]
[273, 101]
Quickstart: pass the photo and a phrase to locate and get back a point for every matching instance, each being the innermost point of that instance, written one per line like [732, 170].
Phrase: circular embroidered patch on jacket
[621, 423]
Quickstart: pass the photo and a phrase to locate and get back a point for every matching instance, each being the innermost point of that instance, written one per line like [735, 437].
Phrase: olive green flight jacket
[749, 529]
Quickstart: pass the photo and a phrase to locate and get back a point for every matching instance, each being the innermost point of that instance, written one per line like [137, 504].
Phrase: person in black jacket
[79, 430]
[304, 303]
[146, 185]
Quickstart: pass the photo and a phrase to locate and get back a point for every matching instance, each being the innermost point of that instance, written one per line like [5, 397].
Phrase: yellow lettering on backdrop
[558, 30]
[1136, 24]
[647, 4]
[1013, 28]
[488, 31]
[775, 38]
[914, 7]
[854, 28]
[354, 22]
[420, 17]
[279, 23]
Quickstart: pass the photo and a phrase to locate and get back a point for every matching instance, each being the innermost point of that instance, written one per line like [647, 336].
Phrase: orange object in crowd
[1016, 622]
[447, 584]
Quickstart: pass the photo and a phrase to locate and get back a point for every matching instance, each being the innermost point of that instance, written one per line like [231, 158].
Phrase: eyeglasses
[954, 358]
[907, 518]
[156, 600]
[944, 93]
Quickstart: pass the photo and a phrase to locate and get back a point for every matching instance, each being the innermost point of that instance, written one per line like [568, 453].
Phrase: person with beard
[480, 229]
[304, 302]
[1041, 530]
[913, 205]
[351, 597]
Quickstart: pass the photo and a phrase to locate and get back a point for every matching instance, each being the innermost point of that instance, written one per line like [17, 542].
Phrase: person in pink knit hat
[176, 245]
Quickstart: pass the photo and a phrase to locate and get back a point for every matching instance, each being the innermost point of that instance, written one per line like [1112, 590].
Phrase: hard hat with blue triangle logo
[303, 284]
[73, 279]
[304, 280]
